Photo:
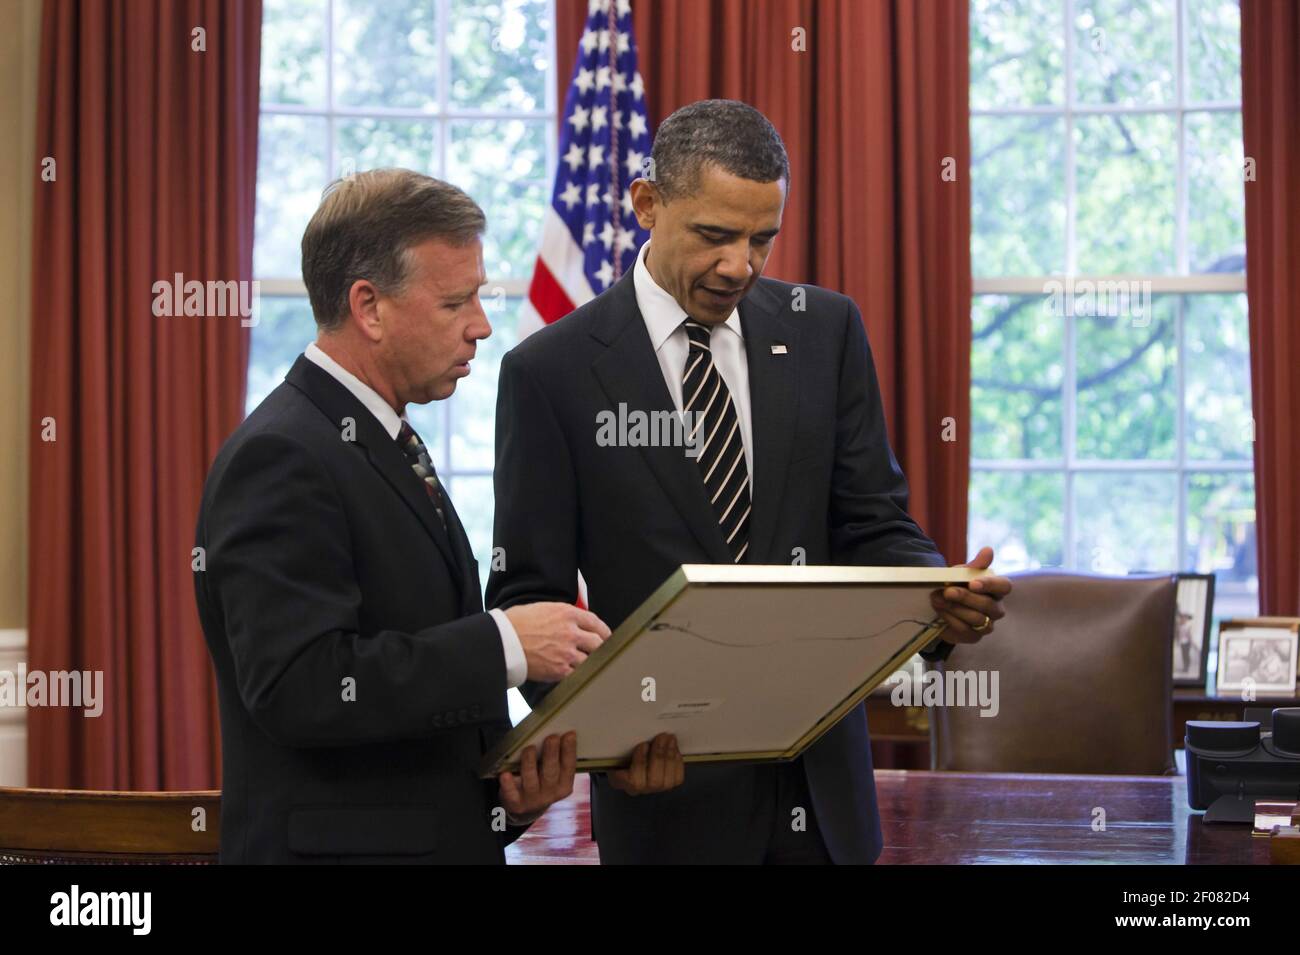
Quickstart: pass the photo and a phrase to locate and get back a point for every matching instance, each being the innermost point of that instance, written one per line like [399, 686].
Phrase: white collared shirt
[391, 422]
[663, 320]
[389, 419]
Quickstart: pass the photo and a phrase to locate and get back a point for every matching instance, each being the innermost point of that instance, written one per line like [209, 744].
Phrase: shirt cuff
[516, 662]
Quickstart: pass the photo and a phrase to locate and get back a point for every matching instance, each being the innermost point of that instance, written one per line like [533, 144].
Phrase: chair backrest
[69, 825]
[1084, 681]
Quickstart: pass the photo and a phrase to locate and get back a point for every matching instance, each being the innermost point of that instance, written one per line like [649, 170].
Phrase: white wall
[13, 721]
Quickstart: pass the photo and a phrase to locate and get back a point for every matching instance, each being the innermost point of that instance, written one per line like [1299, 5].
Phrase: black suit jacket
[825, 480]
[359, 679]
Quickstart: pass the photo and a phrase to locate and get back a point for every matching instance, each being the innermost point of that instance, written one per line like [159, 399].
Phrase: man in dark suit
[359, 679]
[791, 461]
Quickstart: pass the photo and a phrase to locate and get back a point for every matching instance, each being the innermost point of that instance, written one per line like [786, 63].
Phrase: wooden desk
[988, 818]
[88, 826]
[900, 735]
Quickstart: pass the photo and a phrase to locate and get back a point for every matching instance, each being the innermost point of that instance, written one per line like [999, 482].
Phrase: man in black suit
[791, 461]
[359, 679]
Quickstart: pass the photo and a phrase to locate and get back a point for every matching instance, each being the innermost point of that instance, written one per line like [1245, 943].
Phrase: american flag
[590, 236]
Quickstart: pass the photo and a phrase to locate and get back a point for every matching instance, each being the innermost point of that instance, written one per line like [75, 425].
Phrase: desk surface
[988, 818]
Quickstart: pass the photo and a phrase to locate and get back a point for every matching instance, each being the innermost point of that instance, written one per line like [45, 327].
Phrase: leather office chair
[1085, 686]
[83, 826]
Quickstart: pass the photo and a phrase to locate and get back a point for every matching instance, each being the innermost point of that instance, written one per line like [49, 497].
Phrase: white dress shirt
[390, 421]
[663, 320]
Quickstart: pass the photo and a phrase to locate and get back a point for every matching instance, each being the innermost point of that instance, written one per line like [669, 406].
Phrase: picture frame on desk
[1259, 654]
[1193, 621]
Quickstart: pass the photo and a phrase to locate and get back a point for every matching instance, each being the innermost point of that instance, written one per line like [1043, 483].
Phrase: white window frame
[1179, 284]
[440, 119]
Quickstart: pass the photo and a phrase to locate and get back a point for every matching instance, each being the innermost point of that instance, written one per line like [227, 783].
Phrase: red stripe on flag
[547, 296]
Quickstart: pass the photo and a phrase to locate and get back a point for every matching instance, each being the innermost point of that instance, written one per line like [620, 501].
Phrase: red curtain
[1270, 114]
[874, 112]
[148, 110]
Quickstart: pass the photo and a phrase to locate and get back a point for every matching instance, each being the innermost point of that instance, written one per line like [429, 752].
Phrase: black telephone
[1231, 764]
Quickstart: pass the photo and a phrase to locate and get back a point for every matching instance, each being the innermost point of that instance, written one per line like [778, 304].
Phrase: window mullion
[1182, 258]
[1071, 253]
[1069, 530]
[1181, 191]
[443, 28]
[1180, 432]
[331, 169]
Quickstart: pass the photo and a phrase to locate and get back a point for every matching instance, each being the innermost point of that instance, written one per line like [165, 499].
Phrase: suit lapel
[337, 404]
[773, 401]
[629, 373]
[471, 597]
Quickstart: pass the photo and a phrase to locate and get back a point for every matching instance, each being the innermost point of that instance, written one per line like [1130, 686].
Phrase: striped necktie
[418, 455]
[708, 406]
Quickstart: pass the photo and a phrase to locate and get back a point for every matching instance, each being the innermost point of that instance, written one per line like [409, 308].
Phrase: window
[458, 89]
[1111, 410]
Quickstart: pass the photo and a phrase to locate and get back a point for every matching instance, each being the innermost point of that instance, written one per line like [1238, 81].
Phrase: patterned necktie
[709, 407]
[422, 465]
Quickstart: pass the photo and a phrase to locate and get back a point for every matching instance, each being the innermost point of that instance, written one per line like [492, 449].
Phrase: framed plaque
[742, 663]
[1258, 654]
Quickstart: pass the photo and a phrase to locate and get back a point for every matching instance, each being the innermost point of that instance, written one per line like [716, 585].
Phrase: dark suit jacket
[824, 480]
[327, 569]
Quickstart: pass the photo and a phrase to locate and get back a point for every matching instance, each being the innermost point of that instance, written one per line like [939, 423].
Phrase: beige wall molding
[19, 59]
[13, 720]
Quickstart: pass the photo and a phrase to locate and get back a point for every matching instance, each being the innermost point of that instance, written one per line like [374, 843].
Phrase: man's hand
[971, 612]
[656, 767]
[525, 798]
[556, 638]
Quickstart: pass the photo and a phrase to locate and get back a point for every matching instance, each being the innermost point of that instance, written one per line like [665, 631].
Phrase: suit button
[463, 715]
[474, 711]
[437, 719]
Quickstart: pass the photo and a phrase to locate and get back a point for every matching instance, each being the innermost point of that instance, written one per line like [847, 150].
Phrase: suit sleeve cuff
[516, 662]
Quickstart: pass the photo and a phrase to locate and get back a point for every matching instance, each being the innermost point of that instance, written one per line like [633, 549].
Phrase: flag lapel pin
[780, 349]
